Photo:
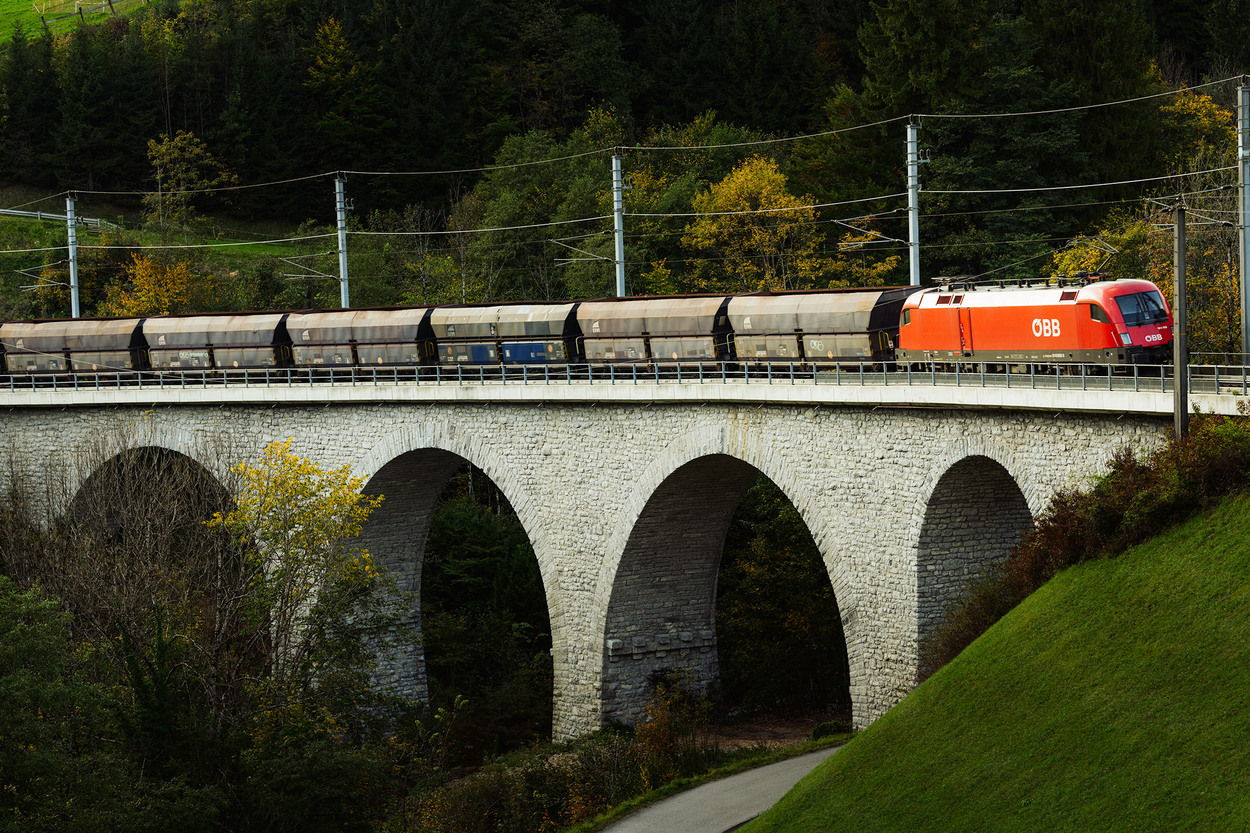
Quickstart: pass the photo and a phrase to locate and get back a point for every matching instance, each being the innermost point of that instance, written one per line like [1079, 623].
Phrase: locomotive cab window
[906, 317]
[1097, 313]
[1142, 308]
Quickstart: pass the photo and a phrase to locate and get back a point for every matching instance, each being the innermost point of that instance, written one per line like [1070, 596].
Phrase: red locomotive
[1099, 322]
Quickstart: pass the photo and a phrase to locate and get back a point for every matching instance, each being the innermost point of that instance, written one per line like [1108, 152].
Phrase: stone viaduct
[626, 492]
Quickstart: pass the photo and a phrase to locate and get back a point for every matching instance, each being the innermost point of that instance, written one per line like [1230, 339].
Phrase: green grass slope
[60, 15]
[1116, 698]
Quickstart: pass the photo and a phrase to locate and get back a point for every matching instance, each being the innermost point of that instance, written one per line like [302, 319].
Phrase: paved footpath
[722, 805]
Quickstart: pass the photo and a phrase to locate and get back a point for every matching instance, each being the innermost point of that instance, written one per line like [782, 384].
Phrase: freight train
[1091, 321]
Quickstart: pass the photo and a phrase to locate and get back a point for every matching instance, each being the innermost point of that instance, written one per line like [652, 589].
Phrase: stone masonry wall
[626, 506]
[395, 533]
[973, 517]
[662, 613]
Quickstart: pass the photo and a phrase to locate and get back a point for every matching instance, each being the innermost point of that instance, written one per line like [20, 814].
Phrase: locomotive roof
[968, 283]
[1016, 295]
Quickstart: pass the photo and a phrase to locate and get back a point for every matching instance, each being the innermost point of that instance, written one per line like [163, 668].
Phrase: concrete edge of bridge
[667, 392]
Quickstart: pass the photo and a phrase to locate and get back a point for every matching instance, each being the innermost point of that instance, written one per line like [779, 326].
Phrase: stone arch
[80, 463]
[411, 468]
[655, 602]
[976, 504]
[136, 543]
[467, 445]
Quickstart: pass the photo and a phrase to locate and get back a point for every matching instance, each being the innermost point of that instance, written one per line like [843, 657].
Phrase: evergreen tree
[451, 111]
[1104, 52]
[351, 119]
[938, 57]
[760, 63]
[1228, 28]
[921, 52]
[1004, 235]
[96, 143]
[30, 95]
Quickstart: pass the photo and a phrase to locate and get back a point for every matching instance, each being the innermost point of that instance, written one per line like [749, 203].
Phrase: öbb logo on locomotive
[1090, 319]
[1046, 327]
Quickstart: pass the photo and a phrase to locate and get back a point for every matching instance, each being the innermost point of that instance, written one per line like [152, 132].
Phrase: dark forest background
[457, 116]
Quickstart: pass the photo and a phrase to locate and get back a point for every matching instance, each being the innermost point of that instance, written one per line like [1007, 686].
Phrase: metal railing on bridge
[1232, 379]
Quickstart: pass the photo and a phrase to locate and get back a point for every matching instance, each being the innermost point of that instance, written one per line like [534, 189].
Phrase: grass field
[1116, 698]
[59, 15]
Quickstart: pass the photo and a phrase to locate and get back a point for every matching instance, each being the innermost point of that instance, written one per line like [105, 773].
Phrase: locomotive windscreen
[1142, 308]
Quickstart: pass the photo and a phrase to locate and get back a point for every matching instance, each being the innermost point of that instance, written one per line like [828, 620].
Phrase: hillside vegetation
[1114, 698]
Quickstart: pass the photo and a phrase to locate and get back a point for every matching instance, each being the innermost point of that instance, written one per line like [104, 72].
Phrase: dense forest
[762, 140]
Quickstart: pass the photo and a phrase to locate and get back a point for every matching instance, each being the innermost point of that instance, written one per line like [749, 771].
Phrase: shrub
[830, 728]
[672, 737]
[547, 789]
[552, 788]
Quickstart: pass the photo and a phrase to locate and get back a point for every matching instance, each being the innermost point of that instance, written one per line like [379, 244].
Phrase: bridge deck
[1140, 391]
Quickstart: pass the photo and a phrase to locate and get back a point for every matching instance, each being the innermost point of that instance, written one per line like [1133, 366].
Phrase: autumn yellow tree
[859, 261]
[150, 288]
[754, 233]
[1193, 127]
[1140, 244]
[307, 586]
[662, 186]
[1119, 245]
[98, 266]
[1143, 247]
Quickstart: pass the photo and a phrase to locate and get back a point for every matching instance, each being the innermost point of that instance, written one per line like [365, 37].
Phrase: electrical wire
[679, 232]
[336, 174]
[447, 232]
[757, 142]
[629, 214]
[37, 201]
[646, 215]
[1050, 188]
[213, 190]
[643, 148]
[1076, 107]
[486, 168]
[178, 246]
[31, 251]
[1061, 206]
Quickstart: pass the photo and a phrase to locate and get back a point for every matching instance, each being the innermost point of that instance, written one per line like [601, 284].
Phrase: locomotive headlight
[1126, 339]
